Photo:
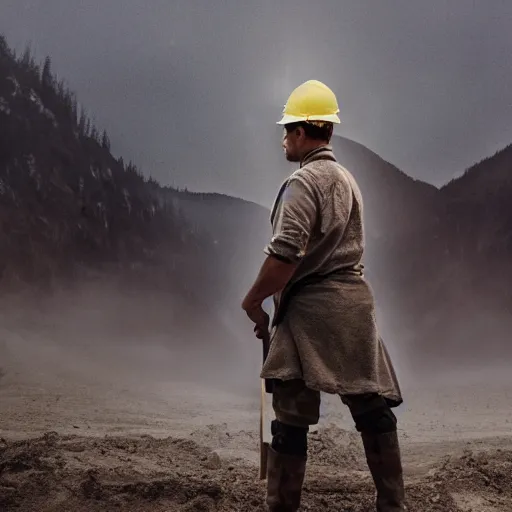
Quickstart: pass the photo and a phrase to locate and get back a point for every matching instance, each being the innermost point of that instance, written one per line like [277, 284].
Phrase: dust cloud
[93, 335]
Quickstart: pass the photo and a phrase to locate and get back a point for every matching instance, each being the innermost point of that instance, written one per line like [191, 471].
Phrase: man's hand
[272, 278]
[260, 319]
[261, 324]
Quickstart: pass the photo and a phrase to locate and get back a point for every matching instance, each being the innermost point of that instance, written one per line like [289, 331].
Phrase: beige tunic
[326, 332]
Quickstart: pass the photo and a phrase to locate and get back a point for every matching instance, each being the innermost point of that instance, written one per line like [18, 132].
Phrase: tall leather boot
[285, 476]
[384, 461]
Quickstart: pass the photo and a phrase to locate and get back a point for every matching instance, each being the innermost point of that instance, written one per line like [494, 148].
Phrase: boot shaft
[285, 477]
[385, 464]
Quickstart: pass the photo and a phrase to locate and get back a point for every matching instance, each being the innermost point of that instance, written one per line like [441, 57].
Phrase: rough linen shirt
[326, 332]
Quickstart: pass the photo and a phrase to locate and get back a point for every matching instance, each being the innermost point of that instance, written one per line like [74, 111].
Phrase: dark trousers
[297, 407]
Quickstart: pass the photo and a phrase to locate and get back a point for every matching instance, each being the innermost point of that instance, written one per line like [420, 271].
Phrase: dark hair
[312, 131]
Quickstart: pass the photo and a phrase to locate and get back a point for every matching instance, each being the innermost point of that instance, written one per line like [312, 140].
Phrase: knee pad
[289, 440]
[377, 421]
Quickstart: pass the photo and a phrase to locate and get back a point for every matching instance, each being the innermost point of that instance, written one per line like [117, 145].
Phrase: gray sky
[191, 92]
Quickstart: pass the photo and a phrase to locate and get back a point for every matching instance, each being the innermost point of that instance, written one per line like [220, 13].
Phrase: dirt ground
[95, 430]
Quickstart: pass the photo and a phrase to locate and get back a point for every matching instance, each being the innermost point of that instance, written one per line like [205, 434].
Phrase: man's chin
[291, 158]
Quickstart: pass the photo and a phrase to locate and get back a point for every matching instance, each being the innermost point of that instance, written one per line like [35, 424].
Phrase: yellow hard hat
[311, 101]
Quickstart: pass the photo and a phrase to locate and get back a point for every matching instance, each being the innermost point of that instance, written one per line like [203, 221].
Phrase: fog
[95, 334]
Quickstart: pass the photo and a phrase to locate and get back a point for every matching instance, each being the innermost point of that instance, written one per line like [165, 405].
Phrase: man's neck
[312, 147]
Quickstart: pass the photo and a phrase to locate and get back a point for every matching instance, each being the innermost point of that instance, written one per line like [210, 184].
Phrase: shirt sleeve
[295, 220]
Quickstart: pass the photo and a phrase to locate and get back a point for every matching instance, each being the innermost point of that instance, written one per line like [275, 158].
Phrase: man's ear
[300, 132]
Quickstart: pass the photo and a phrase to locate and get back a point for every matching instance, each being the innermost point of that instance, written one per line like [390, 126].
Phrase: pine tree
[46, 75]
[26, 58]
[74, 109]
[105, 141]
[68, 103]
[82, 122]
[29, 64]
[130, 168]
[61, 89]
[94, 134]
[4, 47]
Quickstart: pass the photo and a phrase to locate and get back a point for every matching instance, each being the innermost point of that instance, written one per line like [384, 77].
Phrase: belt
[355, 270]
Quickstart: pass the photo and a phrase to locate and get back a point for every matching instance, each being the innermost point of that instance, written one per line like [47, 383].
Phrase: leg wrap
[289, 440]
[376, 421]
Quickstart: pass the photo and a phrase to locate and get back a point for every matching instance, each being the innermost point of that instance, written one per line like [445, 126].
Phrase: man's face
[292, 143]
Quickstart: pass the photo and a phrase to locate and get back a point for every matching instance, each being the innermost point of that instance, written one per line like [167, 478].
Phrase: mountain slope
[391, 197]
[400, 214]
[71, 213]
[478, 206]
[490, 177]
[458, 307]
[67, 203]
[65, 200]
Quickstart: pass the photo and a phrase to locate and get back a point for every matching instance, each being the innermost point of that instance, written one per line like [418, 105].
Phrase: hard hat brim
[329, 118]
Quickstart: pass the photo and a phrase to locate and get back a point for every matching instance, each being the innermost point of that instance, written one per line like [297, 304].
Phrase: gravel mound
[142, 474]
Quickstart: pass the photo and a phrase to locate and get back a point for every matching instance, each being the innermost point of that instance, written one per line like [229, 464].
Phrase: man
[324, 336]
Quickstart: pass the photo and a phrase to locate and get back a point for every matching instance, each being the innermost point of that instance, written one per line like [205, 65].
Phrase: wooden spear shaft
[266, 387]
